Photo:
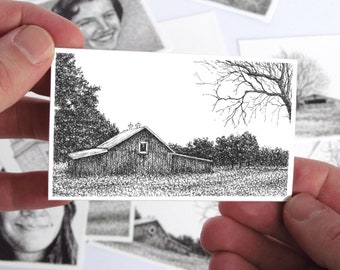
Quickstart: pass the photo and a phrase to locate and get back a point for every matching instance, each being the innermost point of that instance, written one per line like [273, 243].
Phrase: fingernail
[35, 43]
[303, 207]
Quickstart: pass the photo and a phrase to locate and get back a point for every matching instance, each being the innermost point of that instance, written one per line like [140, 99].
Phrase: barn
[150, 232]
[315, 100]
[137, 150]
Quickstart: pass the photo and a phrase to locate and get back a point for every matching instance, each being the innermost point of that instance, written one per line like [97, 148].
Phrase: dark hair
[64, 248]
[69, 8]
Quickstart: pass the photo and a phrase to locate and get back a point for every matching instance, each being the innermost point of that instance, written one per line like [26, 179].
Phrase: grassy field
[192, 262]
[108, 218]
[222, 182]
[319, 121]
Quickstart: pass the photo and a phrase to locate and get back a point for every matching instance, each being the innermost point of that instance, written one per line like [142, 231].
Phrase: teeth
[104, 38]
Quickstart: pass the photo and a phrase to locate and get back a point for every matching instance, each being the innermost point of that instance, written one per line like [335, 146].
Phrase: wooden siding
[187, 164]
[151, 233]
[126, 159]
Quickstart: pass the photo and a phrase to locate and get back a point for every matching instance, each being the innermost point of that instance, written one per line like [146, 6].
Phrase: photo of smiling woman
[111, 24]
[99, 21]
[43, 235]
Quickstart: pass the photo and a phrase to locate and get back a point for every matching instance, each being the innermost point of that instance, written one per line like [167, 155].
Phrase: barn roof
[87, 153]
[126, 134]
[318, 96]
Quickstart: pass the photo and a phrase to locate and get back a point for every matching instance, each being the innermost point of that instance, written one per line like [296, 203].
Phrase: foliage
[194, 244]
[78, 123]
[241, 150]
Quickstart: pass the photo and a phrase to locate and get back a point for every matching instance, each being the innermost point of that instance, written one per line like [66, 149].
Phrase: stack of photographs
[164, 130]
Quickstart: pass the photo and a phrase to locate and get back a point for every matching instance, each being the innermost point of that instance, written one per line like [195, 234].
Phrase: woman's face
[31, 230]
[99, 24]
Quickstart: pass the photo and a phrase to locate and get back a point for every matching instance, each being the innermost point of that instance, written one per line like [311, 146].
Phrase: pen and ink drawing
[92, 158]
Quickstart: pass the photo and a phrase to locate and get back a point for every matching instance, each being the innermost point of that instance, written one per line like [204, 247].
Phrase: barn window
[143, 147]
[152, 230]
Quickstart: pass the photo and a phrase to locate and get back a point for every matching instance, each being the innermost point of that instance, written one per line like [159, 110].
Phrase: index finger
[17, 74]
[25, 191]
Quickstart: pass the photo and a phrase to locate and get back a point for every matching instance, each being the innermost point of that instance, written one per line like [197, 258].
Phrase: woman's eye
[84, 22]
[110, 14]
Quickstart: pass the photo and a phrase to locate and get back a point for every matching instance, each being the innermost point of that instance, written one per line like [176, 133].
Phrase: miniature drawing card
[138, 125]
[258, 9]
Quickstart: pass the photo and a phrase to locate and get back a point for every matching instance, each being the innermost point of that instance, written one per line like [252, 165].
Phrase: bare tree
[241, 90]
[311, 78]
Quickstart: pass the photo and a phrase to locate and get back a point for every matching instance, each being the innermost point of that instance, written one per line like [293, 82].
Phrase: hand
[28, 36]
[303, 233]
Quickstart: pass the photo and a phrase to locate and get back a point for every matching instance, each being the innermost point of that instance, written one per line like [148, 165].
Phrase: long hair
[69, 8]
[64, 248]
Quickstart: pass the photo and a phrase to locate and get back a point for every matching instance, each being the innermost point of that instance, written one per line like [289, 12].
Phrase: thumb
[316, 228]
[26, 54]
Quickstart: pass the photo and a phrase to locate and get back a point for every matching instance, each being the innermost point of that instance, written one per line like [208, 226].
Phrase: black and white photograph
[318, 83]
[258, 9]
[159, 236]
[51, 238]
[170, 126]
[328, 150]
[110, 221]
[112, 24]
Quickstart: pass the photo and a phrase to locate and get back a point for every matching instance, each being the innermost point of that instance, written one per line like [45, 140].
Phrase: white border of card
[171, 95]
[265, 18]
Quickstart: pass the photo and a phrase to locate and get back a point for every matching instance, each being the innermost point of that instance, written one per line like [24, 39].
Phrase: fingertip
[35, 44]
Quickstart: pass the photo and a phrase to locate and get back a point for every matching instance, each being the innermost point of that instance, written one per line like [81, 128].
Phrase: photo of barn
[150, 232]
[137, 150]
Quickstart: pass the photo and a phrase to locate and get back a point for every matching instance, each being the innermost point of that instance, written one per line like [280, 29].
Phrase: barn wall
[92, 165]
[152, 234]
[185, 164]
[125, 158]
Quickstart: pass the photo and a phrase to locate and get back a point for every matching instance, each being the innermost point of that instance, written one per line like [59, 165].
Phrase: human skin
[28, 36]
[99, 24]
[302, 233]
[30, 232]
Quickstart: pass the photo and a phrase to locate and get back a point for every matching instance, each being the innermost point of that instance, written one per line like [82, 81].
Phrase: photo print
[110, 221]
[158, 235]
[318, 82]
[51, 238]
[328, 150]
[112, 24]
[258, 9]
[170, 126]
